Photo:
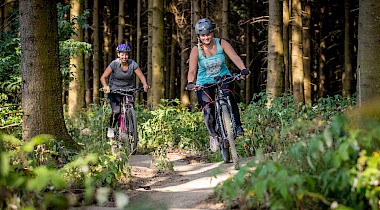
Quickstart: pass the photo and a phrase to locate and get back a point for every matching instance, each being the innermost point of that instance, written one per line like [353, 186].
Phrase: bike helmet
[123, 48]
[204, 26]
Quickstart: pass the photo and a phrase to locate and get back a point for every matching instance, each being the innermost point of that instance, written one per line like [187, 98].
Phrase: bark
[285, 37]
[368, 66]
[41, 76]
[275, 74]
[107, 46]
[96, 52]
[139, 96]
[184, 43]
[76, 85]
[225, 19]
[6, 13]
[248, 51]
[348, 75]
[195, 17]
[297, 68]
[172, 78]
[149, 53]
[321, 59]
[121, 22]
[306, 53]
[157, 52]
[87, 66]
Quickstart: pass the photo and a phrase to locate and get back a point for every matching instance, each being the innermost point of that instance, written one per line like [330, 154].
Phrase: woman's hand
[146, 87]
[106, 89]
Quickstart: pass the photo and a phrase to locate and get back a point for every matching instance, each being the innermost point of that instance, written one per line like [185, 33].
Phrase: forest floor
[189, 186]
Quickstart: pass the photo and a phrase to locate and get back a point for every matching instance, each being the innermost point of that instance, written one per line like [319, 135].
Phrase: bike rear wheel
[229, 133]
[132, 131]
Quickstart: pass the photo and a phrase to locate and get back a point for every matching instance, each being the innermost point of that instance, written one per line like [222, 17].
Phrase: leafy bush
[172, 127]
[337, 168]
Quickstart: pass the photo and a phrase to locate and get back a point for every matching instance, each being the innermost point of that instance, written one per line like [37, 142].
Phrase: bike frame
[127, 119]
[225, 121]
[222, 98]
[126, 104]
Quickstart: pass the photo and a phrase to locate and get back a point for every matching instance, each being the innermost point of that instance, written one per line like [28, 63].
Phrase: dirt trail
[190, 186]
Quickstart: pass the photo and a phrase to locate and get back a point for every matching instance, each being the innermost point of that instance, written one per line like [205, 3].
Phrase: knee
[115, 112]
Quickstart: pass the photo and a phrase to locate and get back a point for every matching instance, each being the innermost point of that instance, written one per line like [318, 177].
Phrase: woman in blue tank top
[207, 60]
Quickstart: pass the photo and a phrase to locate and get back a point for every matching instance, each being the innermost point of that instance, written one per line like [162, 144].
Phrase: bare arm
[103, 78]
[193, 64]
[229, 50]
[142, 79]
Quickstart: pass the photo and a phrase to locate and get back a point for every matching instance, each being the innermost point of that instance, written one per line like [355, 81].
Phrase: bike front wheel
[132, 139]
[229, 133]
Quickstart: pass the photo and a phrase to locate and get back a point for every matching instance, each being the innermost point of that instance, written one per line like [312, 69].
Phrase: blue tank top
[210, 67]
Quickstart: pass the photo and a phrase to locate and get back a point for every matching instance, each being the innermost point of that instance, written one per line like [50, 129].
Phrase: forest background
[314, 51]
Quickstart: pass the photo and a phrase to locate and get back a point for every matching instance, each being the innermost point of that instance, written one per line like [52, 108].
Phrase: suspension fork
[220, 100]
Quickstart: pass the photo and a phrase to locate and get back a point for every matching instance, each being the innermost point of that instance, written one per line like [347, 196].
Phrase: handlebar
[219, 80]
[128, 91]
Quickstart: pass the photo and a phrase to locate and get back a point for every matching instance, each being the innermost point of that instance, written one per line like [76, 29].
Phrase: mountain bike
[127, 125]
[225, 122]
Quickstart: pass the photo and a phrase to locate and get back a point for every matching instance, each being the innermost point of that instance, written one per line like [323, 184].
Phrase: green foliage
[10, 53]
[336, 168]
[111, 163]
[10, 70]
[10, 118]
[24, 181]
[171, 126]
[285, 121]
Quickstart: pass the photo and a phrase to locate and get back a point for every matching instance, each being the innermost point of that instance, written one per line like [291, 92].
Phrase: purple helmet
[123, 48]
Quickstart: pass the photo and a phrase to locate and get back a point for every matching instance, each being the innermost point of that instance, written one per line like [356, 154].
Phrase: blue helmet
[204, 26]
[123, 48]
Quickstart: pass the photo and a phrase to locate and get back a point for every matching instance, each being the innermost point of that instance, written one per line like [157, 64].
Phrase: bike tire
[229, 132]
[225, 150]
[123, 130]
[132, 131]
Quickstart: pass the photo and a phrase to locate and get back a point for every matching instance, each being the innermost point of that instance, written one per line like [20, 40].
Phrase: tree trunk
[107, 49]
[184, 46]
[306, 53]
[248, 51]
[97, 52]
[76, 86]
[368, 66]
[195, 17]
[285, 37]
[297, 68]
[157, 52]
[348, 75]
[87, 66]
[121, 23]
[225, 19]
[275, 73]
[41, 76]
[149, 53]
[172, 78]
[321, 56]
[139, 97]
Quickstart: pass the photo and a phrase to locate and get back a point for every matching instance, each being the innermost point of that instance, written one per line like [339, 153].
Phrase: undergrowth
[293, 144]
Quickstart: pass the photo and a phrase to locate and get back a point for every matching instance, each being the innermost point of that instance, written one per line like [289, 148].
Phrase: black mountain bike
[225, 122]
[127, 126]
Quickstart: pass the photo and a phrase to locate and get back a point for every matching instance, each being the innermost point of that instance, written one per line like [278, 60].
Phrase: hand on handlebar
[190, 86]
[106, 89]
[146, 87]
[244, 73]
